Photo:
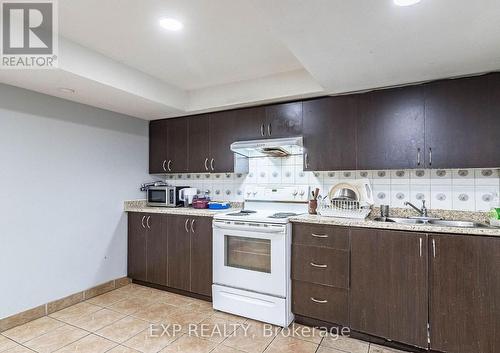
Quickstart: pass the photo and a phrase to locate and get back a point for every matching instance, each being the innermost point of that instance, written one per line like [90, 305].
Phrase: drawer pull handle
[319, 301]
[317, 265]
[319, 235]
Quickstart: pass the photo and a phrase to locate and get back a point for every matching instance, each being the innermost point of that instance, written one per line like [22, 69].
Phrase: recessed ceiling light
[66, 90]
[406, 2]
[171, 24]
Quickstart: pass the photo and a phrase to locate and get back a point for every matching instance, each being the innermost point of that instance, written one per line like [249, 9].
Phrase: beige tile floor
[120, 322]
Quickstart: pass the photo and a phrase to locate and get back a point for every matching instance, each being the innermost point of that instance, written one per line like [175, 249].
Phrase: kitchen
[274, 182]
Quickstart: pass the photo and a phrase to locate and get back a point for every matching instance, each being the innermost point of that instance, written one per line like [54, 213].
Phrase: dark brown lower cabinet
[321, 265]
[171, 250]
[156, 248]
[147, 247]
[465, 294]
[320, 302]
[389, 285]
[201, 255]
[179, 252]
[137, 246]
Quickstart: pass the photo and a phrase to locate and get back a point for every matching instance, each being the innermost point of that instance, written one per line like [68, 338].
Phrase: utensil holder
[313, 206]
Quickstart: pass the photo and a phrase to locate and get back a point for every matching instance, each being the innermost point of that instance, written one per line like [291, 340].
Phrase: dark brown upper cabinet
[199, 143]
[462, 121]
[283, 120]
[272, 121]
[443, 124]
[329, 130]
[158, 146]
[168, 146]
[465, 294]
[222, 131]
[250, 123]
[177, 145]
[390, 129]
[389, 285]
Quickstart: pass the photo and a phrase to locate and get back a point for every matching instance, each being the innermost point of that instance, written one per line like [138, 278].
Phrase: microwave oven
[164, 196]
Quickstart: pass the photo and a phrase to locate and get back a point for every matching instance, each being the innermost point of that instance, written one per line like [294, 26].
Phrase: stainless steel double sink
[433, 222]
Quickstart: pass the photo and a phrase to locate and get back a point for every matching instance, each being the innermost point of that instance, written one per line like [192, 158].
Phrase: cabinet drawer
[320, 302]
[320, 265]
[319, 235]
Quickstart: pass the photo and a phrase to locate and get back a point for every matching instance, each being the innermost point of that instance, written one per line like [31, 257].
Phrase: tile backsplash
[462, 189]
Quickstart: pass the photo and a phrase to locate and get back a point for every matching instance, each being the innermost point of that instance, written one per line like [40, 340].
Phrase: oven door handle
[249, 229]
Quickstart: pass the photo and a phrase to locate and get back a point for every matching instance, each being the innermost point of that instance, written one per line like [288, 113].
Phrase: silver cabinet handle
[306, 160]
[192, 223]
[269, 131]
[434, 248]
[147, 222]
[206, 164]
[262, 130]
[212, 164]
[319, 301]
[186, 225]
[420, 243]
[164, 161]
[418, 156]
[318, 266]
[319, 235]
[142, 222]
[169, 165]
[430, 156]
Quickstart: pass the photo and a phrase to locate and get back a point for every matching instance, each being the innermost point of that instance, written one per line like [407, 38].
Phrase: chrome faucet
[422, 212]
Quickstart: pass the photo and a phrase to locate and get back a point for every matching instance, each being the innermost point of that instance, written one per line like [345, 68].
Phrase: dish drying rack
[345, 208]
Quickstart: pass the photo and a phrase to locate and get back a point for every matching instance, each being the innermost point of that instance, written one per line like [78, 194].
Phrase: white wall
[65, 170]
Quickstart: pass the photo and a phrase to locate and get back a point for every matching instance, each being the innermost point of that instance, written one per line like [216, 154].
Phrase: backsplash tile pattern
[463, 189]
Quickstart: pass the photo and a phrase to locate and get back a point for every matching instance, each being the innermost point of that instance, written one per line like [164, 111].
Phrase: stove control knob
[302, 192]
[254, 193]
[248, 193]
[295, 192]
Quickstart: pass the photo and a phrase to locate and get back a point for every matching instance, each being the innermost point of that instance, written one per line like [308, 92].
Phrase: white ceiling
[242, 52]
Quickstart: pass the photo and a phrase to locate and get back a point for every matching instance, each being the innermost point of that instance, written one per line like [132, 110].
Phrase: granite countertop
[140, 206]
[370, 223]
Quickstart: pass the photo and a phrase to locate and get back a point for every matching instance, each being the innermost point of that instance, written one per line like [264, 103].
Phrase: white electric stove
[252, 250]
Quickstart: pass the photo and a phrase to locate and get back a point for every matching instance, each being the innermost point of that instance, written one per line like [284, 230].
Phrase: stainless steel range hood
[269, 148]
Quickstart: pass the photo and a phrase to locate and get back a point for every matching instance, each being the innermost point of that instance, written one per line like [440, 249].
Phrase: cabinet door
[201, 255]
[157, 146]
[250, 123]
[137, 258]
[284, 120]
[199, 146]
[329, 131]
[156, 249]
[465, 294]
[461, 126]
[179, 257]
[177, 145]
[389, 285]
[223, 126]
[390, 129]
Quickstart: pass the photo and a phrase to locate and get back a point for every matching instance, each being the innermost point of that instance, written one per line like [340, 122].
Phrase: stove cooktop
[280, 215]
[262, 216]
[242, 213]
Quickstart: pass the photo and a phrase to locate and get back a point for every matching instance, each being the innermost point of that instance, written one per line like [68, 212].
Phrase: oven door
[251, 256]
